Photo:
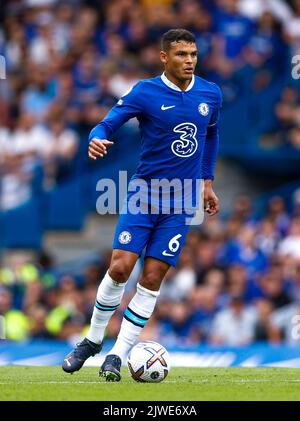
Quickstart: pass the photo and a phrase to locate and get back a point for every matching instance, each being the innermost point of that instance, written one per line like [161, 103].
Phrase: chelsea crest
[203, 108]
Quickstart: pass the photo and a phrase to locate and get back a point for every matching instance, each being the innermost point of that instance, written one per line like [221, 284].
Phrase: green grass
[239, 384]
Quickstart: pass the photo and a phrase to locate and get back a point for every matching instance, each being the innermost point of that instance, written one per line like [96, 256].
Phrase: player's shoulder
[209, 87]
[143, 85]
[150, 83]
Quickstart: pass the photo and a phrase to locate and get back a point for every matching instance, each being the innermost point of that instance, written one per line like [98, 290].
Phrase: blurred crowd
[237, 282]
[287, 112]
[68, 61]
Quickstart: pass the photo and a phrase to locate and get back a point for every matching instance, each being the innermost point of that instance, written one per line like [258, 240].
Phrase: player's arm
[210, 152]
[127, 107]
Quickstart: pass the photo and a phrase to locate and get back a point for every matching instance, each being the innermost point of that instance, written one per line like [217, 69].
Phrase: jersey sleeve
[129, 106]
[211, 146]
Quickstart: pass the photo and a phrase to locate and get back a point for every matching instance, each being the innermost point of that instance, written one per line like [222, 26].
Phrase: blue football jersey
[179, 129]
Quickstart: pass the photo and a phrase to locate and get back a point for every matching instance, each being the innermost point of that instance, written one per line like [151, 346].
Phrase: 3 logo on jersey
[187, 144]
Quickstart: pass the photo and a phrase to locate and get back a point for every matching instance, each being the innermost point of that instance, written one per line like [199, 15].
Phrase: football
[148, 362]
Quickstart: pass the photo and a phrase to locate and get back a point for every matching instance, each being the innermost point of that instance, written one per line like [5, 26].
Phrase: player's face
[180, 60]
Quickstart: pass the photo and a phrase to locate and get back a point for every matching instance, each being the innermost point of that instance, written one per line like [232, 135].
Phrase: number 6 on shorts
[174, 243]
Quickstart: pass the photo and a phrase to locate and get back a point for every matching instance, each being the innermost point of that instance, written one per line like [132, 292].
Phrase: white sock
[135, 318]
[109, 296]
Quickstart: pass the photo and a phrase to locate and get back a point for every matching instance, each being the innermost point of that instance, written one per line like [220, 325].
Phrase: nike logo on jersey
[167, 108]
[165, 253]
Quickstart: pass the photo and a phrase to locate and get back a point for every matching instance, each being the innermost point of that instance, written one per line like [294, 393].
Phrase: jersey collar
[175, 87]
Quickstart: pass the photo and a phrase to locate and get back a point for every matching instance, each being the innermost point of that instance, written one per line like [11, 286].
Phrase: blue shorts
[163, 235]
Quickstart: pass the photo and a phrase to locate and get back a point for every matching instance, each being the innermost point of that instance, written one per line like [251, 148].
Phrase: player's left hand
[211, 201]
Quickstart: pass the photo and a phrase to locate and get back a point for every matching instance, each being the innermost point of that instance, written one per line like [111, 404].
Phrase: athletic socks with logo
[108, 299]
[137, 314]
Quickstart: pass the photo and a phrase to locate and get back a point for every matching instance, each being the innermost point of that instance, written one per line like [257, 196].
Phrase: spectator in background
[294, 134]
[233, 226]
[4, 136]
[287, 112]
[267, 237]
[33, 295]
[292, 28]
[181, 280]
[137, 36]
[293, 287]
[235, 325]
[37, 315]
[15, 183]
[47, 273]
[272, 285]
[60, 150]
[263, 329]
[204, 301]
[242, 209]
[66, 318]
[215, 278]
[203, 29]
[254, 9]
[284, 324]
[16, 322]
[150, 64]
[178, 324]
[38, 96]
[234, 30]
[26, 139]
[123, 80]
[86, 88]
[206, 257]
[290, 245]
[245, 251]
[15, 46]
[45, 45]
[277, 212]
[21, 166]
[265, 51]
[65, 99]
[240, 284]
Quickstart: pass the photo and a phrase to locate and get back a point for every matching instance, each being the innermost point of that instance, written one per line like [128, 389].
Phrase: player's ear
[163, 57]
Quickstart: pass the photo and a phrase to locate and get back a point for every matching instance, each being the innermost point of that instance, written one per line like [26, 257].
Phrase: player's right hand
[97, 148]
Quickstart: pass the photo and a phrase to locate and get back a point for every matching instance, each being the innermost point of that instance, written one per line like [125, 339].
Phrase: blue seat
[22, 227]
[65, 206]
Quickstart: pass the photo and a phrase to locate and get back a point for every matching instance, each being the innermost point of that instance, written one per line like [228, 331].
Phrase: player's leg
[131, 236]
[110, 292]
[109, 295]
[137, 314]
[163, 250]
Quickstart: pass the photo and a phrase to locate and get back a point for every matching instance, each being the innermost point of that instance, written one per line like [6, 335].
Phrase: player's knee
[151, 280]
[119, 271]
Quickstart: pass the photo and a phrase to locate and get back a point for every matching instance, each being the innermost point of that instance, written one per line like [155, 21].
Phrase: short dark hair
[176, 35]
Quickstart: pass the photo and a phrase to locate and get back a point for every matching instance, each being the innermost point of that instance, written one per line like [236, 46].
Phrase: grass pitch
[182, 384]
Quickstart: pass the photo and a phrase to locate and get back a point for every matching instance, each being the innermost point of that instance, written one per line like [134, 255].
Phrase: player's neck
[181, 84]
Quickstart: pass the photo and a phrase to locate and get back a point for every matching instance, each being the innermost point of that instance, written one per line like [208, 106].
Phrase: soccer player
[178, 114]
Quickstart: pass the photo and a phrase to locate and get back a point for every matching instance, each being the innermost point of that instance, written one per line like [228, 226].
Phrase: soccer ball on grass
[148, 362]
